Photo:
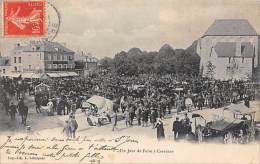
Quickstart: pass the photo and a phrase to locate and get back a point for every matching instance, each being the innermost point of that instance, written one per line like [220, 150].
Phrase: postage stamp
[24, 18]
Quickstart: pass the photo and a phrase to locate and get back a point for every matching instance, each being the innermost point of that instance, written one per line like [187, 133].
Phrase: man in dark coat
[200, 102]
[145, 115]
[131, 114]
[12, 111]
[20, 106]
[176, 128]
[138, 114]
[24, 114]
[247, 101]
[61, 107]
[38, 103]
[153, 117]
[23, 111]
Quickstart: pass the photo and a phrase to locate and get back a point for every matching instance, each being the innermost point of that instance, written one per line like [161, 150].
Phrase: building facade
[87, 66]
[42, 56]
[231, 46]
[5, 66]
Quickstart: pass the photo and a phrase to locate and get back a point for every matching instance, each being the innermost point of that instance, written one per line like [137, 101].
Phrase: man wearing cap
[176, 128]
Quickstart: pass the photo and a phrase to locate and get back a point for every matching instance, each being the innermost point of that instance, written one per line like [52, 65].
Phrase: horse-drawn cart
[42, 94]
[238, 122]
[98, 110]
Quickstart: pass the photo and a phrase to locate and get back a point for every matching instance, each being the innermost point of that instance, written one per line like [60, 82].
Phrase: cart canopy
[103, 104]
[224, 125]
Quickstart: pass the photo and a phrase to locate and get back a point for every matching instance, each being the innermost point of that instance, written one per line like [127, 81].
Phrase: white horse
[48, 109]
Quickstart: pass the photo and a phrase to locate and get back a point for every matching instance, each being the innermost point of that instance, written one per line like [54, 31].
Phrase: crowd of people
[145, 97]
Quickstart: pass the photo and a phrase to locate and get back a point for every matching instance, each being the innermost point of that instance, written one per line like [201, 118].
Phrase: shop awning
[15, 75]
[53, 75]
[37, 76]
[63, 74]
[27, 75]
[72, 74]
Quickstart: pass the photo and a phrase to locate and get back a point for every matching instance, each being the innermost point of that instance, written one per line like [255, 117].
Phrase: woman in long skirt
[160, 129]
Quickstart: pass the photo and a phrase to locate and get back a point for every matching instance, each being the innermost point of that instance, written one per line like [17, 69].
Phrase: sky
[106, 27]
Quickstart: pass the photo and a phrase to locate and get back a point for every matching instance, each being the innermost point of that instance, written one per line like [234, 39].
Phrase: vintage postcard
[129, 81]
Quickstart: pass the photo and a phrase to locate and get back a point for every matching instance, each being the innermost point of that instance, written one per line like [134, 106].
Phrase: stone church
[229, 49]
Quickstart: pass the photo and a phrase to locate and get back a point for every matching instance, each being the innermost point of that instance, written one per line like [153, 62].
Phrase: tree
[106, 63]
[165, 61]
[210, 70]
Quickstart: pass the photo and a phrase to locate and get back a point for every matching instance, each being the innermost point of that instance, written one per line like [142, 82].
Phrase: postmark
[24, 18]
[52, 21]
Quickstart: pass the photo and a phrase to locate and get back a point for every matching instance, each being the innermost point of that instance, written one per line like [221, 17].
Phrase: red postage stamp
[24, 18]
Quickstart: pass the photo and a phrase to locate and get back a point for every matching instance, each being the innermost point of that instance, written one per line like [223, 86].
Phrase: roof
[43, 46]
[231, 27]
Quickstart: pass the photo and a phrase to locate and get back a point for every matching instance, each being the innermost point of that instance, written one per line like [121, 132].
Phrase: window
[60, 66]
[49, 66]
[243, 59]
[14, 59]
[3, 70]
[58, 57]
[65, 66]
[20, 59]
[55, 66]
[229, 60]
[55, 57]
[49, 56]
[63, 57]
[70, 57]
